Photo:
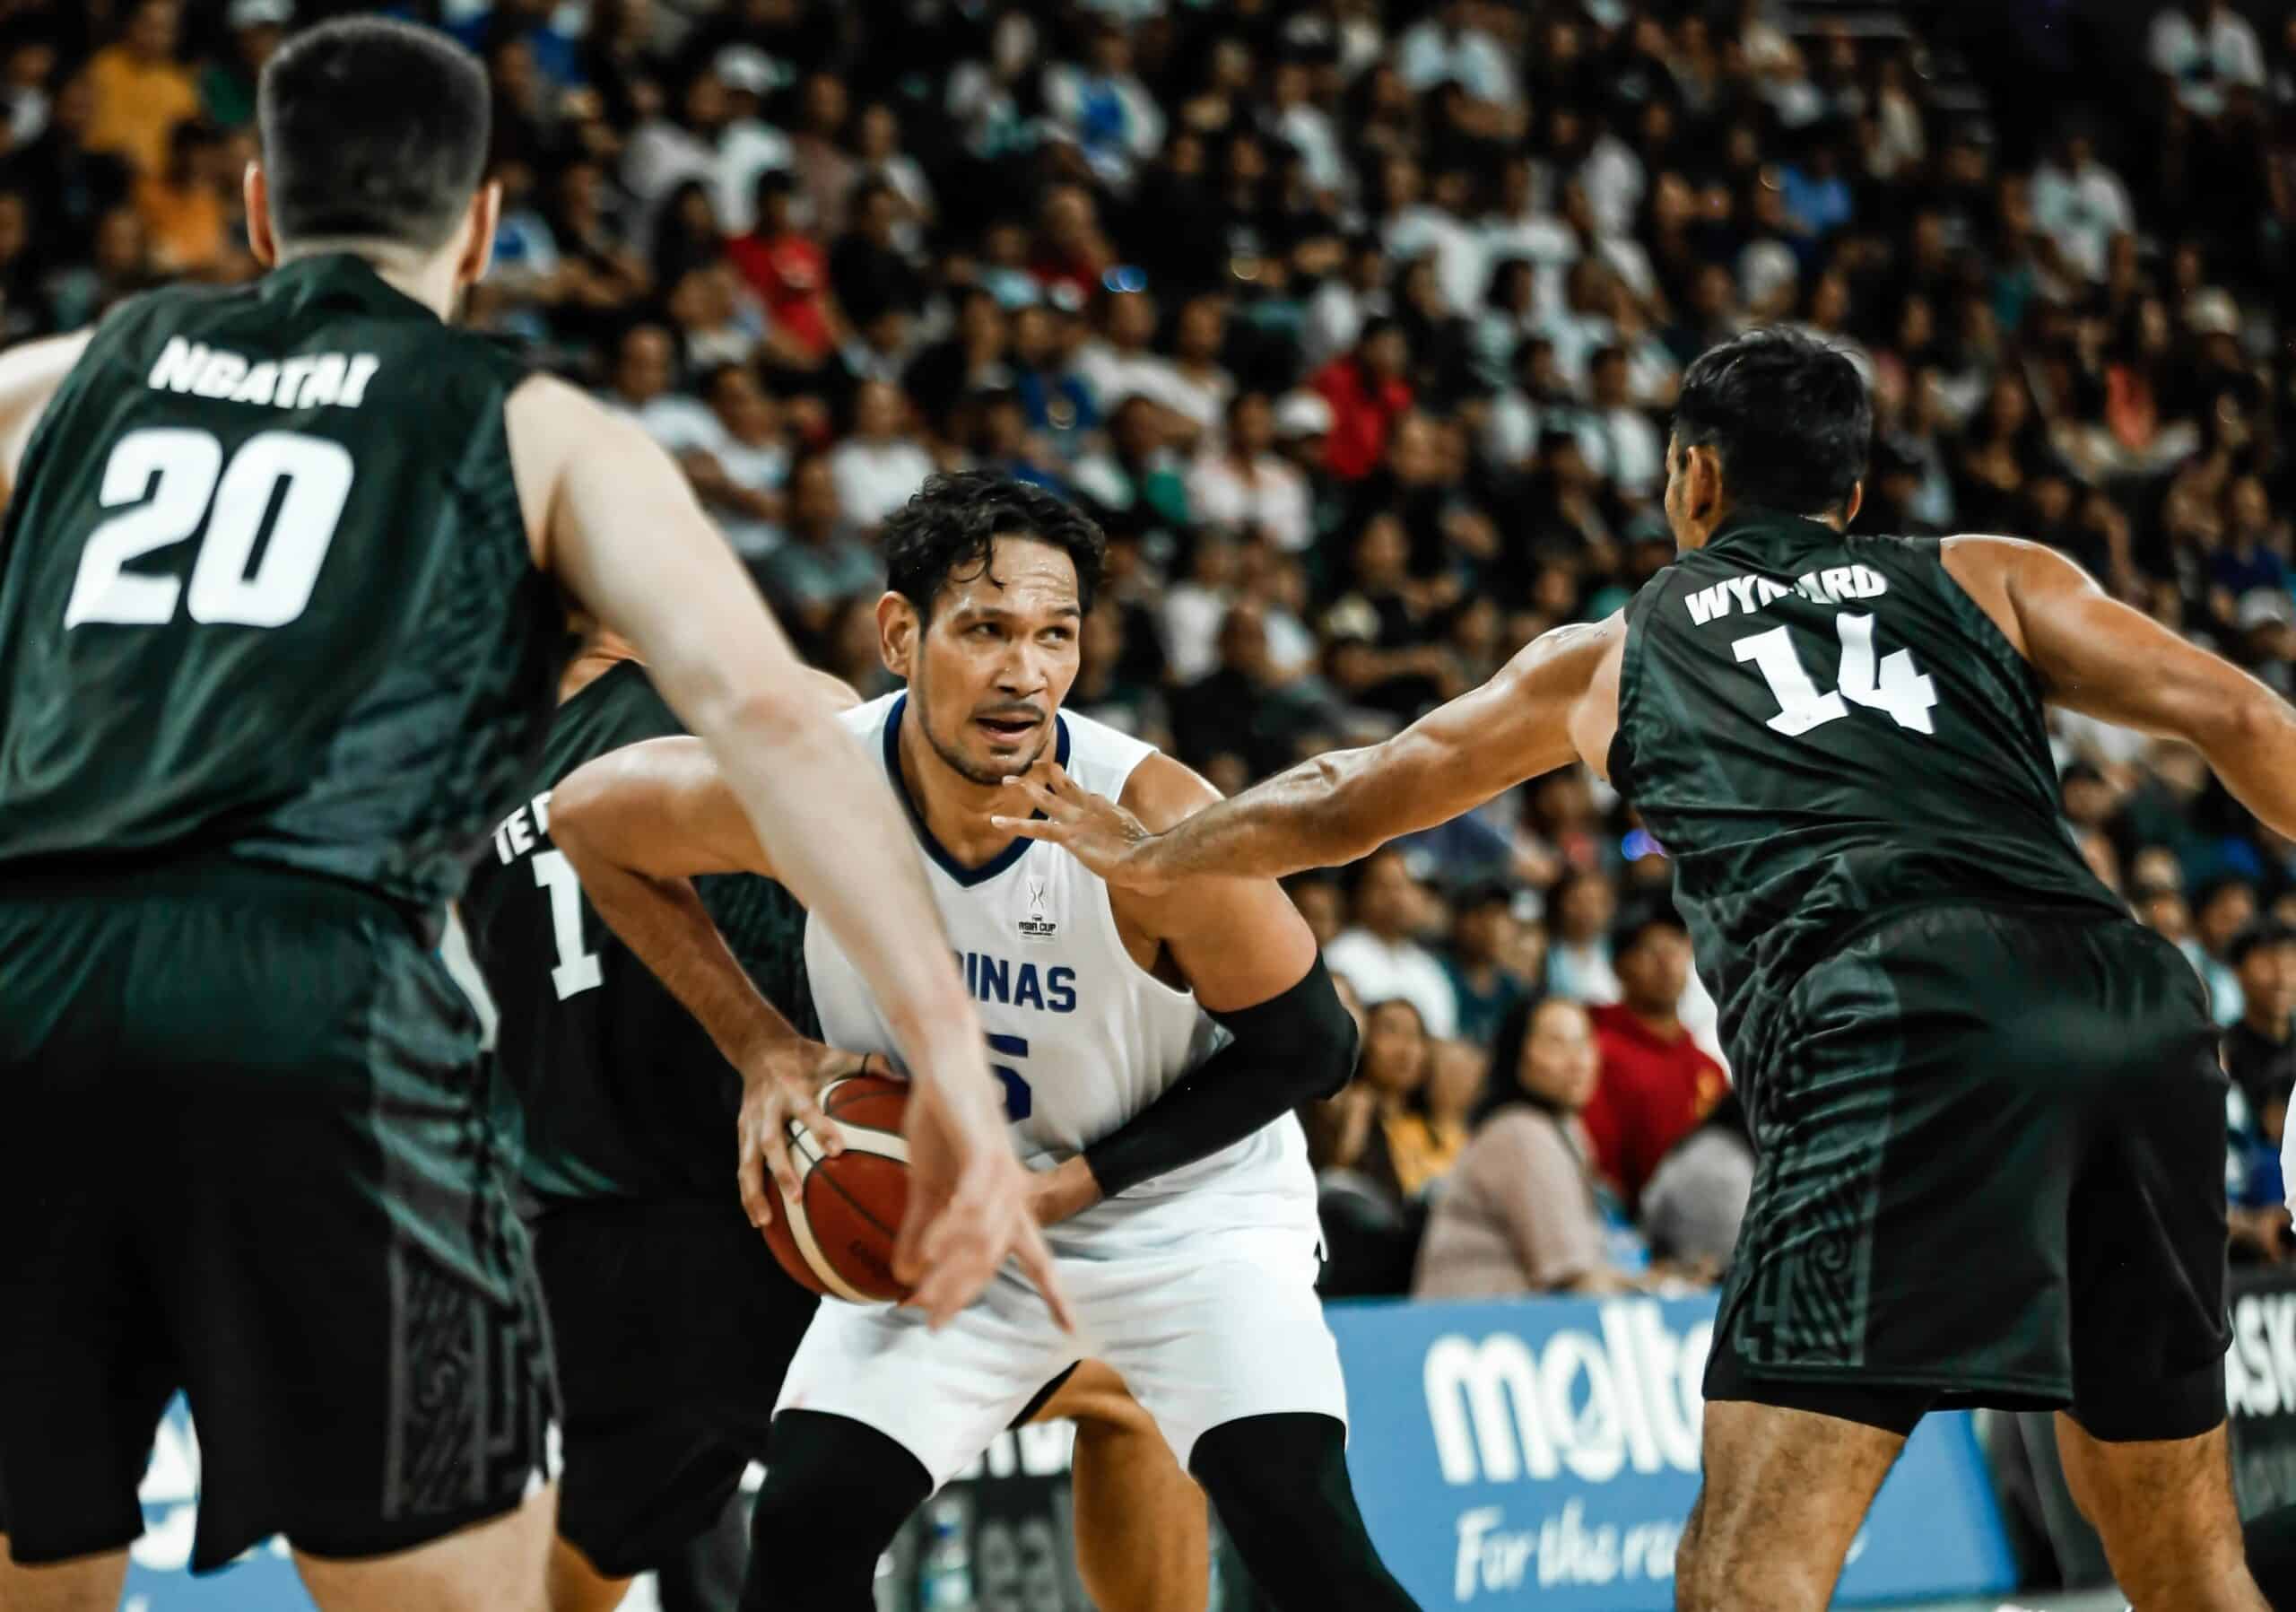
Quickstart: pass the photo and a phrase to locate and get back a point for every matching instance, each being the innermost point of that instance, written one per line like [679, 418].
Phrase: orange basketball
[837, 1237]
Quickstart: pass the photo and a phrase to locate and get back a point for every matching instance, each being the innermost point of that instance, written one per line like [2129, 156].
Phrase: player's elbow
[1309, 1034]
[2241, 725]
[582, 810]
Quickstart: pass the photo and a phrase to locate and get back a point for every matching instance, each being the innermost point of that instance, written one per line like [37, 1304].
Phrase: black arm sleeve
[1288, 1050]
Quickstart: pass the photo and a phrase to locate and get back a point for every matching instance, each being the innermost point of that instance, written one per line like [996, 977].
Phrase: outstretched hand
[969, 1206]
[1093, 829]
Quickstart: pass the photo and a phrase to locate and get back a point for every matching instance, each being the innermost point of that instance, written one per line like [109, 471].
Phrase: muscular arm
[2098, 657]
[1553, 703]
[621, 528]
[1252, 964]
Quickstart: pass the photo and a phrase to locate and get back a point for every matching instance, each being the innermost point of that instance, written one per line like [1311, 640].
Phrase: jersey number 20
[1905, 694]
[174, 479]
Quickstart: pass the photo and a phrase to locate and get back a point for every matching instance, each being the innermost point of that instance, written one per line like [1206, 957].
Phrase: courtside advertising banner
[1544, 1453]
[2260, 1387]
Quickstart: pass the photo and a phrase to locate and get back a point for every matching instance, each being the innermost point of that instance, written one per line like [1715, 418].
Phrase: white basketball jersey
[1080, 1036]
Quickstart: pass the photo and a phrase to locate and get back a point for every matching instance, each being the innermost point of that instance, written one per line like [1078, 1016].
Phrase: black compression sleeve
[1288, 1050]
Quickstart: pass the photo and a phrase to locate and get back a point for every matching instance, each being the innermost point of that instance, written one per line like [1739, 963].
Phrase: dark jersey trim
[949, 865]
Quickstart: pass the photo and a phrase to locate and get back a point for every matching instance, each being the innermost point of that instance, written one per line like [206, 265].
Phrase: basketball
[837, 1237]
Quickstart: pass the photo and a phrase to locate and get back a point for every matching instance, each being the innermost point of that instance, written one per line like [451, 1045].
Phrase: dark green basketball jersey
[1824, 731]
[616, 1090]
[266, 591]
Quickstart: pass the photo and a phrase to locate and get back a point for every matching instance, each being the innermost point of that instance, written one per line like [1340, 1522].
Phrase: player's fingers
[749, 1175]
[1034, 828]
[1040, 796]
[774, 1140]
[806, 1109]
[1036, 1264]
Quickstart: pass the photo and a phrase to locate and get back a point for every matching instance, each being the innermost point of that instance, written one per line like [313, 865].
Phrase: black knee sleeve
[1281, 1485]
[836, 1493]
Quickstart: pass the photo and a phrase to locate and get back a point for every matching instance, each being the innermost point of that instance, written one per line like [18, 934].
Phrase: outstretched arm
[1553, 703]
[1249, 958]
[2098, 657]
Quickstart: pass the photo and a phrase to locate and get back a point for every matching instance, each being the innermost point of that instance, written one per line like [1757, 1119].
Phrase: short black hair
[949, 527]
[1640, 920]
[1789, 416]
[2264, 932]
[372, 130]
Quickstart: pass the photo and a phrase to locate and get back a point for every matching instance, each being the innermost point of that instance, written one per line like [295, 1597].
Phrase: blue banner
[159, 1567]
[1544, 1453]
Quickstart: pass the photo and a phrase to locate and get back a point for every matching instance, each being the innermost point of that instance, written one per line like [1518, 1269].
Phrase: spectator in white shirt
[1245, 485]
[878, 467]
[1118, 363]
[2203, 49]
[1579, 946]
[877, 142]
[1538, 402]
[2080, 204]
[1614, 182]
[1509, 316]
[1200, 387]
[1620, 444]
[1414, 229]
[1584, 325]
[1519, 226]
[645, 366]
[749, 146]
[1194, 607]
[1336, 312]
[740, 465]
[1451, 46]
[1378, 955]
[1306, 126]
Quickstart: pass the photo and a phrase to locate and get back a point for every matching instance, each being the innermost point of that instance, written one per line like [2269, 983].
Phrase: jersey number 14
[1906, 693]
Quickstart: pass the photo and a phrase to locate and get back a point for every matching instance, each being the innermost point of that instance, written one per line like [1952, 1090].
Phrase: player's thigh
[673, 1327]
[1228, 1328]
[353, 1299]
[86, 1361]
[84, 1584]
[1906, 1222]
[1142, 1525]
[496, 1565]
[941, 1396]
[2166, 1513]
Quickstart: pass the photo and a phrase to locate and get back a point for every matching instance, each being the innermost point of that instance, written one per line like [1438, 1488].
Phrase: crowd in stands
[1356, 325]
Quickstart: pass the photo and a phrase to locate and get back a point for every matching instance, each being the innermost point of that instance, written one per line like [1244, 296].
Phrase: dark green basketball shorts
[243, 1154]
[1992, 1172]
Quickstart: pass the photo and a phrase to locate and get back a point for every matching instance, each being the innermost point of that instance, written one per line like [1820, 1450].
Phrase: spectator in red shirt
[790, 270]
[1657, 1084]
[1367, 394]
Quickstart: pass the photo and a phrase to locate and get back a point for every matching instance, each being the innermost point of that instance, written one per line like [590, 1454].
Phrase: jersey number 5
[174, 479]
[1905, 694]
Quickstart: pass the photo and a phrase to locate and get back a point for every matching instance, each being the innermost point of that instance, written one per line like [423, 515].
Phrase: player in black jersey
[673, 1323]
[283, 588]
[1990, 1120]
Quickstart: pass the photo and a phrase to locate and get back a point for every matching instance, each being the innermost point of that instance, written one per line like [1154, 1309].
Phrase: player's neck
[426, 278]
[955, 810]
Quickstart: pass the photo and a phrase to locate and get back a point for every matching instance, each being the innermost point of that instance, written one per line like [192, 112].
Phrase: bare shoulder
[1999, 572]
[29, 376]
[1162, 792]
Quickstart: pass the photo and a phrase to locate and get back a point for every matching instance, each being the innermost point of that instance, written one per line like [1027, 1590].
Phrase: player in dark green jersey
[282, 589]
[1990, 1121]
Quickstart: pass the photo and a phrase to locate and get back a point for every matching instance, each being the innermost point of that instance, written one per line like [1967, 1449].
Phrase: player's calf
[2165, 1511]
[1281, 1485]
[836, 1493]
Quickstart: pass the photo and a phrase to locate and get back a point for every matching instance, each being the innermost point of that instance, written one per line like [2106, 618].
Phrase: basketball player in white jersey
[1151, 1051]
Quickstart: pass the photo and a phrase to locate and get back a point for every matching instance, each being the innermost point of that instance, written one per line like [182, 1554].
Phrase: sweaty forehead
[1023, 577]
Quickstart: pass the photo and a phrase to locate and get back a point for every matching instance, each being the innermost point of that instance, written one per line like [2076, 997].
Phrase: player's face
[989, 671]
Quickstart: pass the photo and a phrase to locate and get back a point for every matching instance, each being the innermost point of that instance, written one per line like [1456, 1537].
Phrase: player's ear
[256, 189]
[1856, 502]
[898, 631]
[478, 247]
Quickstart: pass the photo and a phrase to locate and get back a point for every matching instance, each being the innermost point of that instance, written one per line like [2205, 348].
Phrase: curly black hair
[949, 527]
